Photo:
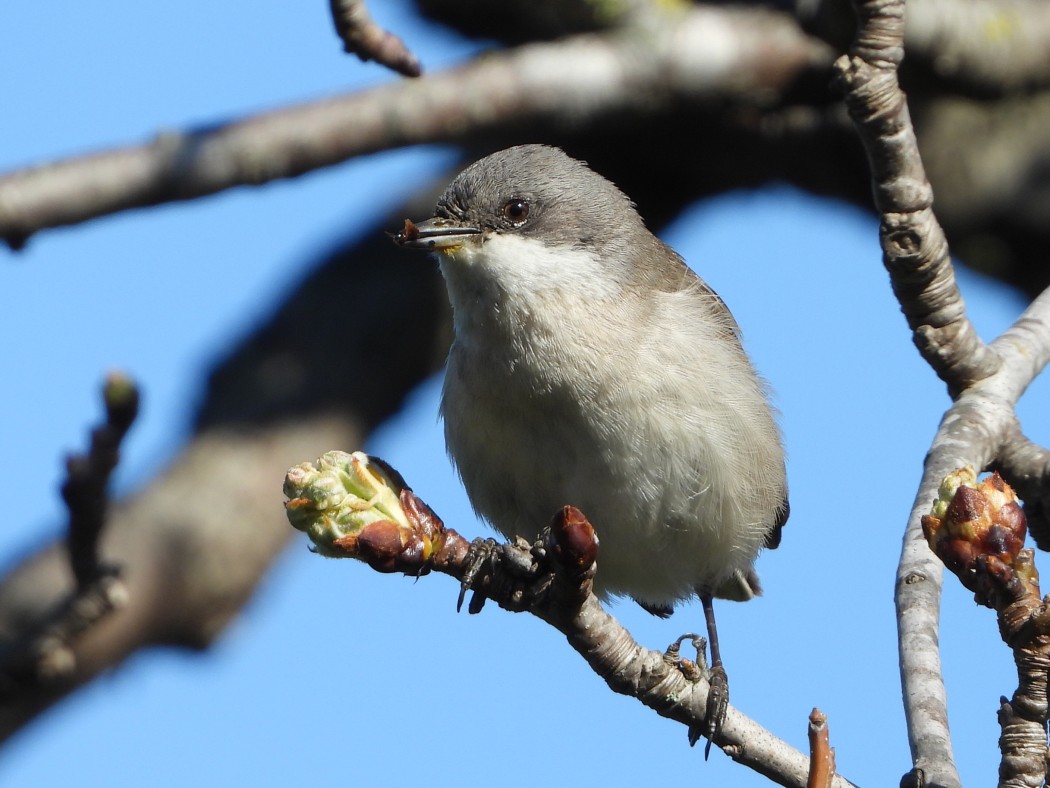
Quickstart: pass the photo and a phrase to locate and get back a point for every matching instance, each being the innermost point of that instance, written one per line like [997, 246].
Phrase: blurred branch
[85, 490]
[978, 47]
[985, 381]
[363, 37]
[46, 653]
[993, 46]
[560, 85]
[195, 542]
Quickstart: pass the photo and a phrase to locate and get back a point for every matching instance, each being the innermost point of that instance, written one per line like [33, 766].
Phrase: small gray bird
[592, 367]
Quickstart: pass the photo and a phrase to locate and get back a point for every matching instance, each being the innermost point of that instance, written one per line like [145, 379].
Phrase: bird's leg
[718, 694]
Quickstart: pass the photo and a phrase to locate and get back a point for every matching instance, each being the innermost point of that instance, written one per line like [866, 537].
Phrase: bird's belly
[523, 453]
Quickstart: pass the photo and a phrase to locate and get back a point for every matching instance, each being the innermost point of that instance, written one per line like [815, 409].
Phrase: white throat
[513, 268]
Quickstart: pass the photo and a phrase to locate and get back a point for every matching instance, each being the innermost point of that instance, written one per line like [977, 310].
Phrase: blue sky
[336, 675]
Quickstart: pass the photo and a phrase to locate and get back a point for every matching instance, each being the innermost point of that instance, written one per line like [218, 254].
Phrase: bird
[591, 366]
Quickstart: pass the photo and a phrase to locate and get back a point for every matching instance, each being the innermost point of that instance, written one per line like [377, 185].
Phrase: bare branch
[561, 85]
[1024, 348]
[363, 37]
[915, 251]
[975, 431]
[985, 380]
[916, 255]
[918, 598]
[85, 490]
[969, 434]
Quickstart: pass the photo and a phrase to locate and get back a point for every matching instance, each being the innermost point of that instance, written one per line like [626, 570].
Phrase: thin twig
[87, 478]
[361, 36]
[821, 756]
[47, 655]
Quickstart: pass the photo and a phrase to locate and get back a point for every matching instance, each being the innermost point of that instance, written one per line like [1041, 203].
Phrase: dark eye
[516, 211]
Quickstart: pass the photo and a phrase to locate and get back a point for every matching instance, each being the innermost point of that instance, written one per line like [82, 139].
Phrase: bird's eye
[516, 211]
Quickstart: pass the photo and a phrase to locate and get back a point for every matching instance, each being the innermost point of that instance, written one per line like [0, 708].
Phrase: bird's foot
[717, 694]
[519, 568]
[522, 575]
[482, 554]
[692, 670]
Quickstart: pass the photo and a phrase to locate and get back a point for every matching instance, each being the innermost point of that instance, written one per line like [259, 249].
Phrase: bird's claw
[690, 669]
[717, 706]
[481, 552]
[521, 563]
[717, 693]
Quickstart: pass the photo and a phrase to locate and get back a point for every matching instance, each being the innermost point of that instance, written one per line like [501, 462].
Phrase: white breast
[564, 388]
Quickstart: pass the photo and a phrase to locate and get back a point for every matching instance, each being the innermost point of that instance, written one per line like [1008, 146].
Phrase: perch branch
[352, 505]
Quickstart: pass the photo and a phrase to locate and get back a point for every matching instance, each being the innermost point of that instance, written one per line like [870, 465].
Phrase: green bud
[961, 477]
[338, 497]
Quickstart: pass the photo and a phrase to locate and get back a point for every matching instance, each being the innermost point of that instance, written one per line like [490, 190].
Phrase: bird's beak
[438, 233]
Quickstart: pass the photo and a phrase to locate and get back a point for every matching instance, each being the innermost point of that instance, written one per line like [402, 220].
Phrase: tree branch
[361, 36]
[821, 755]
[46, 653]
[978, 529]
[915, 251]
[193, 546]
[194, 543]
[559, 85]
[1026, 466]
[985, 381]
[85, 490]
[916, 256]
